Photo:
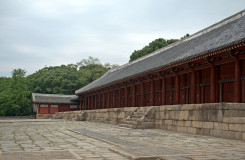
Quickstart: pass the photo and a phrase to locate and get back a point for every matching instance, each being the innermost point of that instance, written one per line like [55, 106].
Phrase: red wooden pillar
[48, 108]
[152, 93]
[89, 102]
[105, 100]
[177, 89]
[193, 86]
[80, 106]
[126, 96]
[198, 89]
[103, 106]
[237, 83]
[119, 99]
[114, 98]
[92, 102]
[85, 103]
[38, 106]
[108, 100]
[133, 96]
[142, 94]
[163, 91]
[99, 100]
[212, 84]
[95, 102]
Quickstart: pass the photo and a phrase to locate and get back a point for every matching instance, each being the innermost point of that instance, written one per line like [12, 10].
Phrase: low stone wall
[225, 120]
[112, 115]
[43, 116]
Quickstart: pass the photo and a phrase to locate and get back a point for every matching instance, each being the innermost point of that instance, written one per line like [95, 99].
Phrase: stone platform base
[224, 120]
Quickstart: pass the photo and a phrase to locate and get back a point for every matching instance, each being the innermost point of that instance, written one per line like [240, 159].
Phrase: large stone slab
[227, 134]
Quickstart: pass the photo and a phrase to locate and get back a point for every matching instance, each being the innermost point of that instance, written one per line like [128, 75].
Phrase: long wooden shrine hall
[207, 67]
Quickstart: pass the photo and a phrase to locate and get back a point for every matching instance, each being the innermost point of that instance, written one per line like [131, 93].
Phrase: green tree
[153, 46]
[15, 99]
[18, 73]
[185, 36]
[55, 80]
[15, 92]
[91, 69]
[4, 83]
[66, 79]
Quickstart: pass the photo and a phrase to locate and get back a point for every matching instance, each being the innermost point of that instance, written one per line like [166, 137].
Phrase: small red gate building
[51, 103]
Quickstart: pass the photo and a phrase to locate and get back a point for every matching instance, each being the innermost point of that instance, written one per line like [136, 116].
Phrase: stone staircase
[141, 118]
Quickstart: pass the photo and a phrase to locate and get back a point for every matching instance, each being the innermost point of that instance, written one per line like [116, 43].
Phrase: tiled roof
[53, 98]
[224, 33]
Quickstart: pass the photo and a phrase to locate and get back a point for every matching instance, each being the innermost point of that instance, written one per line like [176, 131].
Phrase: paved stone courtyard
[61, 139]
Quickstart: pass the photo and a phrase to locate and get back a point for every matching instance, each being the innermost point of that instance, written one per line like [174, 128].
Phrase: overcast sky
[39, 33]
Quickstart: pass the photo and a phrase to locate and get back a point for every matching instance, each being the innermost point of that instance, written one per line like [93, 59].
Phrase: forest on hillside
[15, 92]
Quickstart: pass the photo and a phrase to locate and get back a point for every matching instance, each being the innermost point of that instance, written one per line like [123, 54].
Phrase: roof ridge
[44, 94]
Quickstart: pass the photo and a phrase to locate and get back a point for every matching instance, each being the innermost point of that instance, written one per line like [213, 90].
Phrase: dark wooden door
[157, 93]
[227, 90]
[147, 87]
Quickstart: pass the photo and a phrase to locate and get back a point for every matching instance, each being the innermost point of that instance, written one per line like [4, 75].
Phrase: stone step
[136, 116]
[145, 126]
[149, 120]
[130, 122]
[127, 126]
[136, 119]
[131, 119]
[239, 120]
[146, 123]
[139, 113]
